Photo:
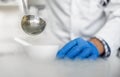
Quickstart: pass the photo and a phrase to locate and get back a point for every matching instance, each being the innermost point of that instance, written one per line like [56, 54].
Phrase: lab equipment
[78, 48]
[41, 52]
[32, 24]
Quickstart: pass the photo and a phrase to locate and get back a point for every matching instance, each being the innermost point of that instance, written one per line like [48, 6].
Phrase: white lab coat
[69, 19]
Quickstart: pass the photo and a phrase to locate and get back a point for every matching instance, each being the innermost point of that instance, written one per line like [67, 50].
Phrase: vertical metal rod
[25, 6]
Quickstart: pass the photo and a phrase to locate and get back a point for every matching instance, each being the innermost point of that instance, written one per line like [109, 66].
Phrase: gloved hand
[80, 49]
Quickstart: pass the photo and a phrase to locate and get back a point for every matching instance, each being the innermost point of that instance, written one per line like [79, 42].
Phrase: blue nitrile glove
[80, 49]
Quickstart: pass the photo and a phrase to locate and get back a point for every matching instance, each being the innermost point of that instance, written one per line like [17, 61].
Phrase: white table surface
[21, 65]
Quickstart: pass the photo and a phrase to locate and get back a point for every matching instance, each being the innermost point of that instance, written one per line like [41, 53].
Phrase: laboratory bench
[20, 64]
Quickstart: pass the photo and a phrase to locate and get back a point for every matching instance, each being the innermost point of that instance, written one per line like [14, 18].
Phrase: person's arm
[110, 31]
[98, 44]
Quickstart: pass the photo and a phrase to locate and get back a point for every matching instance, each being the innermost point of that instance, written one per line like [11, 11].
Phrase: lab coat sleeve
[110, 32]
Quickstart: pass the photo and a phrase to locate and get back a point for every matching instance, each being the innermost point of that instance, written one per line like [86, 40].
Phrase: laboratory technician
[89, 29]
